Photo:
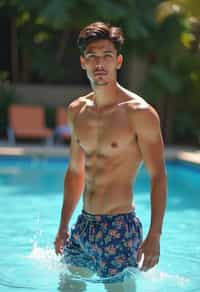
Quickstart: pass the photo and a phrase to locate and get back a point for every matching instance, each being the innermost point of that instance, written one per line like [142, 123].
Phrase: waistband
[105, 217]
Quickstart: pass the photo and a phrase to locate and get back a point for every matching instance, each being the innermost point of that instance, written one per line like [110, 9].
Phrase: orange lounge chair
[62, 131]
[27, 122]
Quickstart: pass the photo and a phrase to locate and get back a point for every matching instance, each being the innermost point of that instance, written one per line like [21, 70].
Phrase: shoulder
[143, 116]
[75, 106]
[139, 109]
[131, 100]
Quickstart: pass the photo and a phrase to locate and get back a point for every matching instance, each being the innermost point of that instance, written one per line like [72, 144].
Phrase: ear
[119, 61]
[82, 61]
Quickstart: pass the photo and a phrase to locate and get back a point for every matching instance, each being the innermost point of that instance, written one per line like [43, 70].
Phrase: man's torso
[112, 154]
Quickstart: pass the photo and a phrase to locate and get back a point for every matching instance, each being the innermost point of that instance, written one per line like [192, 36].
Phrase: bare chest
[103, 133]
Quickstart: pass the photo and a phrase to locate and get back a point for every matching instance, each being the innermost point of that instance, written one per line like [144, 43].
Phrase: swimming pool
[30, 204]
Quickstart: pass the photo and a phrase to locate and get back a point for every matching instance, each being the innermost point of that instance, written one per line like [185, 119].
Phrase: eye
[108, 55]
[91, 56]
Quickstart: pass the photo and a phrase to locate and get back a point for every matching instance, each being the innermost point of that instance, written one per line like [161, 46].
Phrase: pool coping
[187, 154]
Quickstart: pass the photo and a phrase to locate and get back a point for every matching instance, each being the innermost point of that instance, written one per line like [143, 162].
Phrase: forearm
[73, 186]
[158, 203]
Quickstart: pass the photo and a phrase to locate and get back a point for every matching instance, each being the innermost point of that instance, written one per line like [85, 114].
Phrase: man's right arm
[73, 186]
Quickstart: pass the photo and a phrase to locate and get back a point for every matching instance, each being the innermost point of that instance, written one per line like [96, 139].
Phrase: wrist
[62, 233]
[155, 234]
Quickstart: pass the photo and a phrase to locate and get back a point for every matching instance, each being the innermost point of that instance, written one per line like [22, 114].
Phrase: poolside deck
[191, 155]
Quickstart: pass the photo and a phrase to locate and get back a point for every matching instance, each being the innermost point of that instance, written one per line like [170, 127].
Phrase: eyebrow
[93, 52]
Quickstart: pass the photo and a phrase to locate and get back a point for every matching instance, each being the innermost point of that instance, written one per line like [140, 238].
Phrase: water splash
[152, 281]
[50, 261]
[157, 280]
[46, 257]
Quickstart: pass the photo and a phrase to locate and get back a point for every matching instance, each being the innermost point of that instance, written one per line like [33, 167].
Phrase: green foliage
[48, 71]
[186, 128]
[7, 97]
[165, 79]
[168, 7]
[46, 30]
[4, 75]
[57, 13]
[40, 21]
[105, 7]
[187, 120]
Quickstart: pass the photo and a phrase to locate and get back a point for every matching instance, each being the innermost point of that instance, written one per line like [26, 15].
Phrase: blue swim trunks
[105, 244]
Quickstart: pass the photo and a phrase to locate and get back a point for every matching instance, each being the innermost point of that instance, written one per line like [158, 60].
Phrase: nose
[99, 63]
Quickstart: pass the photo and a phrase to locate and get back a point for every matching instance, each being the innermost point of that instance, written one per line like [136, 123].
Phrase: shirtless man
[113, 131]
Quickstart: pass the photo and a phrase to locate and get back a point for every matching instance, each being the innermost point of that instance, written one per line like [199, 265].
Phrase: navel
[114, 144]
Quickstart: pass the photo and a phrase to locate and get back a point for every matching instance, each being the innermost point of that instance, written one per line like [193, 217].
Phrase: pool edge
[191, 155]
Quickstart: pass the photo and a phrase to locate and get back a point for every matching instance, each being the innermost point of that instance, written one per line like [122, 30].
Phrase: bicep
[77, 157]
[76, 161]
[151, 146]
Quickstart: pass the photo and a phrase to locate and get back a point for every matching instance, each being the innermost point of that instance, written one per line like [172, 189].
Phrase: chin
[100, 83]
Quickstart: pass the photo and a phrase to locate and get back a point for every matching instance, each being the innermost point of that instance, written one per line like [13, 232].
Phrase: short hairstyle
[100, 31]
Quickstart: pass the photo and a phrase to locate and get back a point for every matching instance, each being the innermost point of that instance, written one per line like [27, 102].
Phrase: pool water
[30, 204]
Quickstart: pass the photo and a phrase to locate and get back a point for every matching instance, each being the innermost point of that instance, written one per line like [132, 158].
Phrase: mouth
[100, 73]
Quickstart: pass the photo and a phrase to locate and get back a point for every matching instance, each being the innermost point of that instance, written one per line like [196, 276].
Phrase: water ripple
[5, 282]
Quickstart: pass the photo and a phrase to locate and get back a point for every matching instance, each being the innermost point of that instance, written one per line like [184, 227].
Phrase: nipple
[114, 144]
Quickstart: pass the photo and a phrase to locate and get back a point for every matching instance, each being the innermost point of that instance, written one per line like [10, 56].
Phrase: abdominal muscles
[108, 183]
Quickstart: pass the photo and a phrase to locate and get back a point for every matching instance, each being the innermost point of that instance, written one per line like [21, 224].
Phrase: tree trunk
[14, 50]
[26, 66]
[161, 108]
[166, 109]
[170, 121]
[136, 73]
[61, 49]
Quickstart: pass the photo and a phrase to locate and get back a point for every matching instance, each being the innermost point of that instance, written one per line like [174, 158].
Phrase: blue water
[30, 203]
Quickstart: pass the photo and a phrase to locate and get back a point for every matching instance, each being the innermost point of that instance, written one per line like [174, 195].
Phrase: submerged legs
[121, 287]
[128, 285]
[68, 283]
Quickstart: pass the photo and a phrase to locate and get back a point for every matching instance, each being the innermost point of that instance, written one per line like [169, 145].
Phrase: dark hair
[98, 31]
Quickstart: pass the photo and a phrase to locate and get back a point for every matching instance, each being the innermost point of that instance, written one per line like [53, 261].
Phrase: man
[113, 131]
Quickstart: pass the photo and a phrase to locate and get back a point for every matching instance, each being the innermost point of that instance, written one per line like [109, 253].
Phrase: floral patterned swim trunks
[105, 244]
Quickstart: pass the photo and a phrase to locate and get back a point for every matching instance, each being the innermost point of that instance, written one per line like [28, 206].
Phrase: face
[101, 62]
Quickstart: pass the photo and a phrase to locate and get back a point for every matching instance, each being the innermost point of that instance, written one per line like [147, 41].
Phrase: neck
[106, 95]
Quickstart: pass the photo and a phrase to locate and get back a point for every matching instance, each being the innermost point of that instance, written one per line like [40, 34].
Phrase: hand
[59, 242]
[151, 250]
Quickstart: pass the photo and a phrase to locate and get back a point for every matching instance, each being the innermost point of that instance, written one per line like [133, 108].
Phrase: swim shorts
[105, 244]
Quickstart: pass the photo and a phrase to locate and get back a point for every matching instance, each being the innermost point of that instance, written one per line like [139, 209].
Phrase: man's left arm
[150, 142]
